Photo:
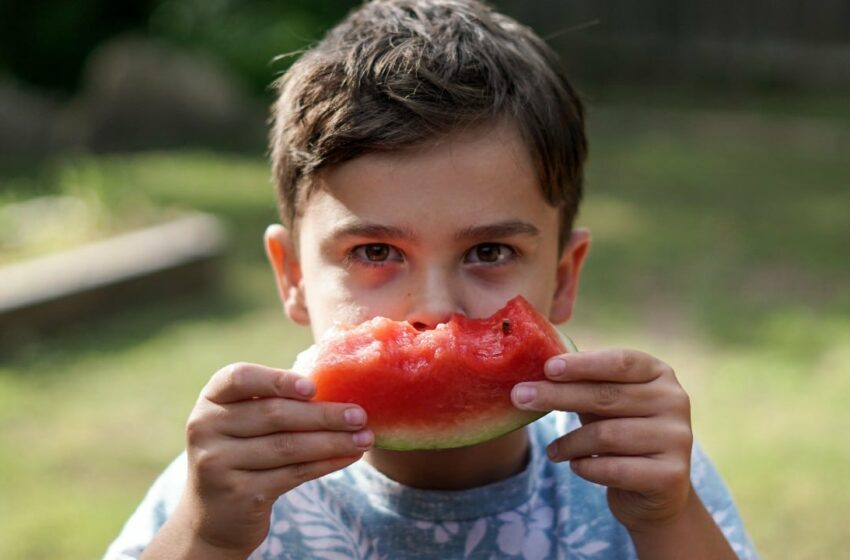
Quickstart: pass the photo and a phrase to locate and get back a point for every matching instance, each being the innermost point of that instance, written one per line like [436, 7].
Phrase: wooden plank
[46, 293]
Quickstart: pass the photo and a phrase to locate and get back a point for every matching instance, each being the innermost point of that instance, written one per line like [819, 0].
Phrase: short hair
[396, 73]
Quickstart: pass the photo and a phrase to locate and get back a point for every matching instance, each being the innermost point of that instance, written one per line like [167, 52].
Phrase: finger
[286, 478]
[601, 399]
[241, 381]
[261, 417]
[281, 449]
[636, 474]
[622, 437]
[616, 365]
[587, 418]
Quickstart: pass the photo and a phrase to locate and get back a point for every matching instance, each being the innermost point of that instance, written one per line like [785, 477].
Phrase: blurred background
[717, 194]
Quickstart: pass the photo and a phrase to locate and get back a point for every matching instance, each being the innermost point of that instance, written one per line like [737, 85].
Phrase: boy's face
[455, 226]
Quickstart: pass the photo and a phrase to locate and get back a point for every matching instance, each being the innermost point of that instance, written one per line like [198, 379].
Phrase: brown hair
[396, 73]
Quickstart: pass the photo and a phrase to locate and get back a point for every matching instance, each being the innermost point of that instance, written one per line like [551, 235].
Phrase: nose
[433, 300]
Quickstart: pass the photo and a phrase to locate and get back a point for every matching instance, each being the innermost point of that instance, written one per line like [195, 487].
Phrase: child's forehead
[502, 135]
[485, 149]
[473, 177]
[492, 152]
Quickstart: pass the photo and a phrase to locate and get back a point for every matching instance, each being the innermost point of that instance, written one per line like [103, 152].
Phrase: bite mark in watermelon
[434, 389]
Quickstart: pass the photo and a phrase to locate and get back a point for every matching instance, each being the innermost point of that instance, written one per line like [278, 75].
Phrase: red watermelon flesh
[445, 387]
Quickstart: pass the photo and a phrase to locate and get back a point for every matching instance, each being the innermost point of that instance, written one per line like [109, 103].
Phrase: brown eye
[377, 252]
[488, 252]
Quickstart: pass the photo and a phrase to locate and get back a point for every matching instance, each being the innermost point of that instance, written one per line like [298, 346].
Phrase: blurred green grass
[719, 245]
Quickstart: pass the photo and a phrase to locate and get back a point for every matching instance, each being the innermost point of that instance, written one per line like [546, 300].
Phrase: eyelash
[356, 255]
[502, 259]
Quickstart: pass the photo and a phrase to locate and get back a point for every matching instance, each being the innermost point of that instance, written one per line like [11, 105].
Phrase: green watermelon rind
[417, 440]
[568, 342]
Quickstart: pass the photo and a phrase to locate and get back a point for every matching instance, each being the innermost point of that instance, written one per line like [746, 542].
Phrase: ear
[287, 273]
[569, 269]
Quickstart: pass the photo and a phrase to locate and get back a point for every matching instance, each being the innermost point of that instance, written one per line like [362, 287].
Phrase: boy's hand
[636, 430]
[253, 436]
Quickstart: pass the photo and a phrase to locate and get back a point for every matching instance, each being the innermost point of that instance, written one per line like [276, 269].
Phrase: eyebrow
[498, 230]
[368, 229]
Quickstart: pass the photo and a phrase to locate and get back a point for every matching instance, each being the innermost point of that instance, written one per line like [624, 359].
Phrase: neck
[455, 469]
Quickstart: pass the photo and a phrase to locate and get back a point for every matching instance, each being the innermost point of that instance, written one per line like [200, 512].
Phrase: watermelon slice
[434, 389]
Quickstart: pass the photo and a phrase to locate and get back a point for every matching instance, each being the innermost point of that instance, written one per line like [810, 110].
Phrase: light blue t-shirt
[544, 512]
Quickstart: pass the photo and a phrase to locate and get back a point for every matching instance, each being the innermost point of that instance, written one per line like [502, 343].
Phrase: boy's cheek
[341, 307]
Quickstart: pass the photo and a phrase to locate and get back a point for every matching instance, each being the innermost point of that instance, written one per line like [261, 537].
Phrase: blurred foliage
[46, 43]
[249, 35]
[79, 203]
[719, 243]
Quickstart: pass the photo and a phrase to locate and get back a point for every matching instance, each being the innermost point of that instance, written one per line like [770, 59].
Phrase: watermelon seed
[506, 326]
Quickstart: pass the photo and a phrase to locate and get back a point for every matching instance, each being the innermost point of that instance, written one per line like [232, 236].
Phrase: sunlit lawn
[720, 248]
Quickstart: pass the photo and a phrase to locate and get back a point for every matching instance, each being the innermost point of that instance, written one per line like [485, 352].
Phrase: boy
[428, 156]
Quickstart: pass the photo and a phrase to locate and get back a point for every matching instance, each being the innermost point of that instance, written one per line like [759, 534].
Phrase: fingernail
[524, 394]
[363, 438]
[552, 451]
[556, 367]
[354, 416]
[304, 387]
